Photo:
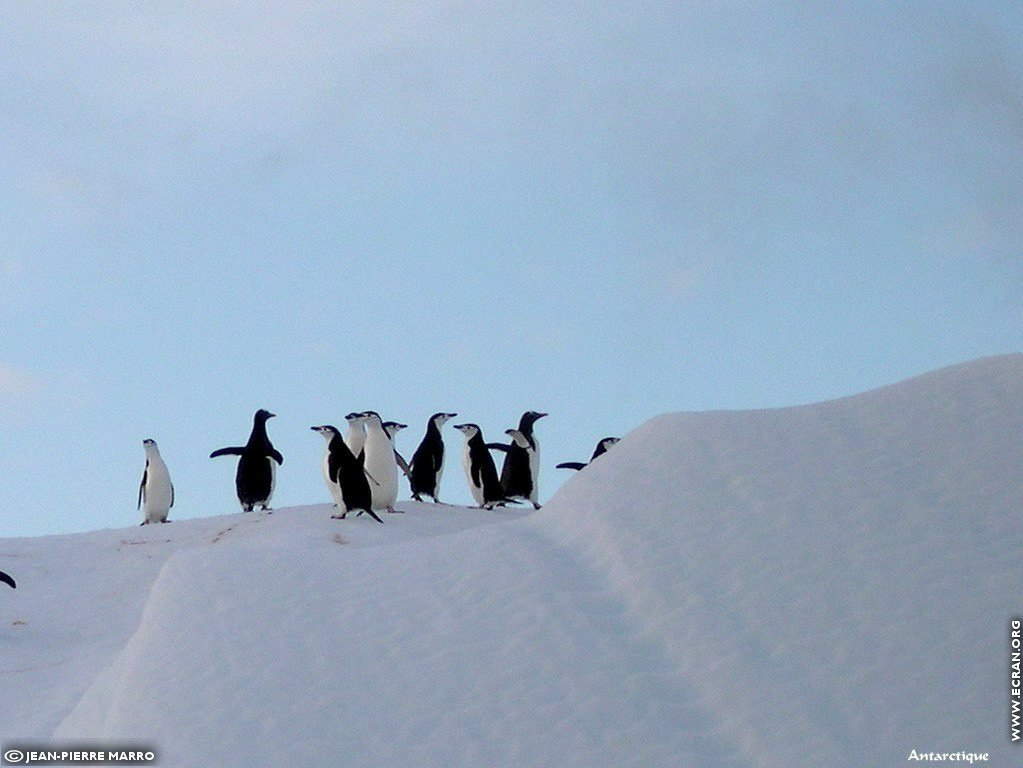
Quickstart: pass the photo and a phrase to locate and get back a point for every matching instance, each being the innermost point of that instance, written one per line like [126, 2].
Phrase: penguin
[7, 580]
[345, 476]
[428, 460]
[520, 474]
[517, 473]
[380, 463]
[355, 437]
[480, 470]
[156, 489]
[392, 428]
[600, 450]
[256, 474]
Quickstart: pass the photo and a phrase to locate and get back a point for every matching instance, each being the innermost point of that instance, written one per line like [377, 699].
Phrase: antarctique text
[963, 757]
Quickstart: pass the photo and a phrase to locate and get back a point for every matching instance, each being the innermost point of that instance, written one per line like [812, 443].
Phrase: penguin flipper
[403, 464]
[142, 485]
[276, 456]
[172, 498]
[576, 465]
[7, 580]
[234, 450]
[499, 447]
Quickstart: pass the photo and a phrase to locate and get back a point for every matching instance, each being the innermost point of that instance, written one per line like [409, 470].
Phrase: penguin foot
[394, 511]
[339, 515]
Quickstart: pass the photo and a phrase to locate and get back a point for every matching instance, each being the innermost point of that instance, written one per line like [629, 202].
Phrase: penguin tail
[372, 514]
[7, 580]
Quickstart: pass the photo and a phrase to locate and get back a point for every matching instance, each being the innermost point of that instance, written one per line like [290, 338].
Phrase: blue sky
[601, 211]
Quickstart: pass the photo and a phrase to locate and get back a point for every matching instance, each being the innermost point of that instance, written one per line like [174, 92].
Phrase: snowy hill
[822, 585]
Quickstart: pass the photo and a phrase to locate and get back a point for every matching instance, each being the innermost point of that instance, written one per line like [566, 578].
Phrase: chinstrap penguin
[517, 473]
[345, 476]
[156, 491]
[520, 474]
[256, 475]
[428, 460]
[380, 463]
[391, 429]
[480, 470]
[600, 450]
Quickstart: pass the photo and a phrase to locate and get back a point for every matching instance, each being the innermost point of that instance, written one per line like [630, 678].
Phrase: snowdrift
[828, 584]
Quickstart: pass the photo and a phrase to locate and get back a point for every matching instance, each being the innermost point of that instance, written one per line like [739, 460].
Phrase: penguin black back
[255, 478]
[480, 468]
[428, 459]
[347, 471]
[520, 471]
[600, 450]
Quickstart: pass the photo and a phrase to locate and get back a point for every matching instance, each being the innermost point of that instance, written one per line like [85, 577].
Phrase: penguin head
[263, 415]
[529, 418]
[440, 419]
[149, 442]
[469, 430]
[372, 418]
[393, 427]
[326, 430]
[603, 445]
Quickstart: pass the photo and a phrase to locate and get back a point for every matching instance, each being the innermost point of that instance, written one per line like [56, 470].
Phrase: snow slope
[822, 585]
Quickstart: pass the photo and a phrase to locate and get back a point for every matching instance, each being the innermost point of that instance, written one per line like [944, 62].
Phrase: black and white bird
[427, 465]
[345, 476]
[520, 474]
[600, 450]
[156, 491]
[380, 463]
[257, 470]
[480, 470]
[391, 429]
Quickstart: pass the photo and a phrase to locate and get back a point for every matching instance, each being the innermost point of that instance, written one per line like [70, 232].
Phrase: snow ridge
[827, 584]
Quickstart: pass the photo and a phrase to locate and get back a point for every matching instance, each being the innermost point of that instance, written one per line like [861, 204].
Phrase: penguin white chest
[475, 489]
[382, 468]
[534, 470]
[273, 477]
[332, 487]
[158, 493]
